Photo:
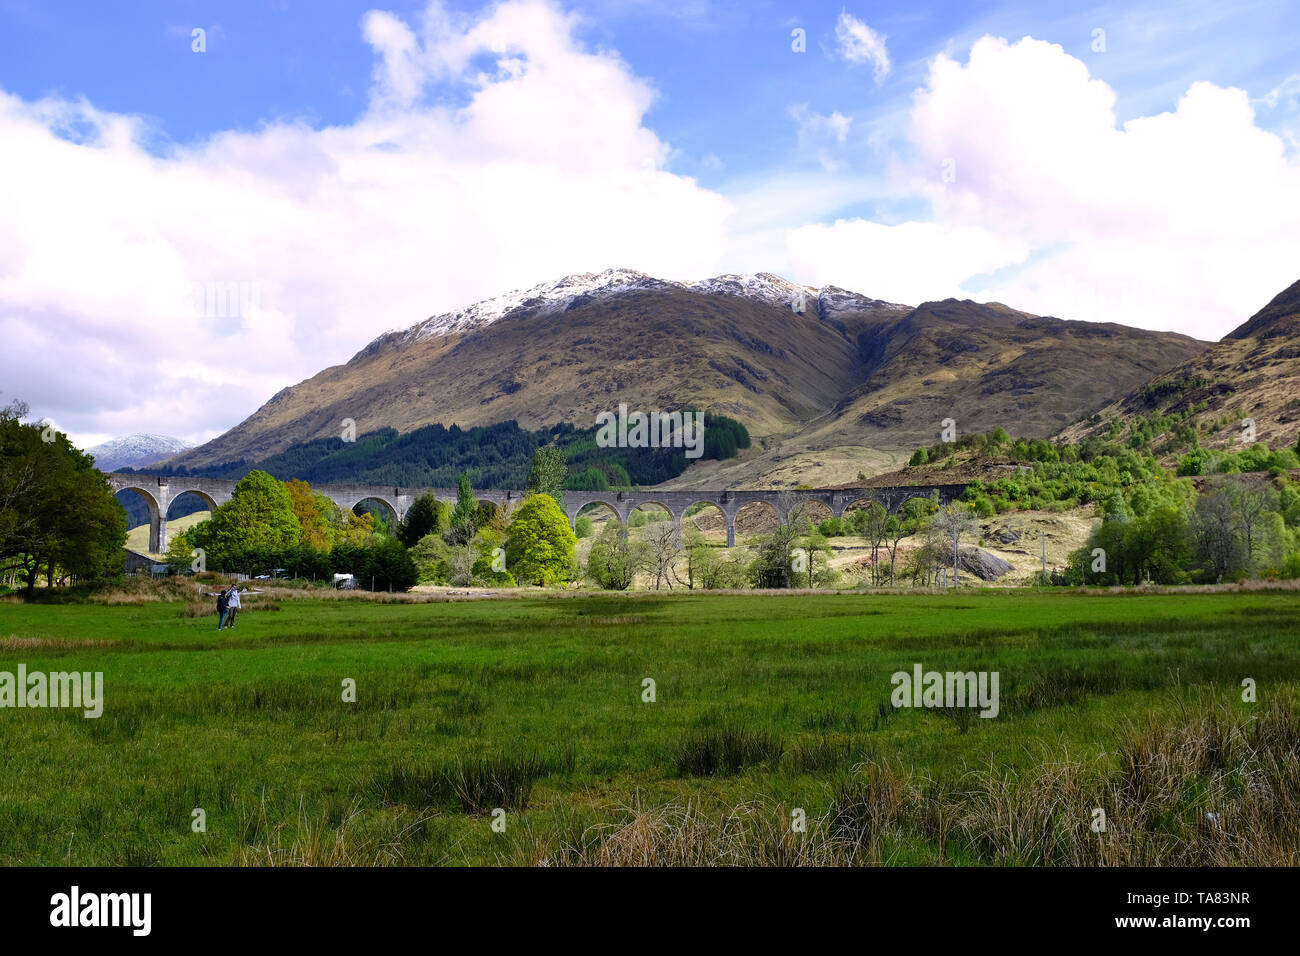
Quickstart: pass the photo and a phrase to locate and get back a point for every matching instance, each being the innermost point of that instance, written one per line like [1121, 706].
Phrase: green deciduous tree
[540, 546]
[57, 511]
[259, 517]
[614, 558]
[316, 513]
[427, 515]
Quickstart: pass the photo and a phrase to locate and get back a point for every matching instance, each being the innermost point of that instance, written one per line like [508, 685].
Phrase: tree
[259, 518]
[432, 557]
[1251, 504]
[872, 523]
[772, 565]
[427, 515]
[19, 482]
[465, 517]
[1218, 539]
[391, 567]
[354, 530]
[614, 558]
[57, 511]
[663, 548]
[816, 552]
[954, 522]
[540, 546]
[702, 560]
[316, 513]
[895, 530]
[549, 472]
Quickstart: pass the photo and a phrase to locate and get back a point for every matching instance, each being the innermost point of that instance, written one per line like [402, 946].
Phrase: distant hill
[1254, 372]
[134, 451]
[816, 375]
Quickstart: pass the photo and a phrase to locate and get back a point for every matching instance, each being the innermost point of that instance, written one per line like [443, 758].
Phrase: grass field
[765, 707]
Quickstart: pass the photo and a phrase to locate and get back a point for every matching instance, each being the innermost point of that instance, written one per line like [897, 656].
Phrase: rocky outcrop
[982, 564]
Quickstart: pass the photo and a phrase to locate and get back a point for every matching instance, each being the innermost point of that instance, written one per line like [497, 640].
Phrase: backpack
[221, 602]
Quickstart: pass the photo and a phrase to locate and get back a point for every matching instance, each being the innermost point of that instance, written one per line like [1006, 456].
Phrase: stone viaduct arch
[730, 502]
[159, 491]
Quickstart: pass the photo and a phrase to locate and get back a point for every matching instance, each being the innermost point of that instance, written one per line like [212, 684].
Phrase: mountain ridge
[1252, 373]
[807, 370]
[134, 451]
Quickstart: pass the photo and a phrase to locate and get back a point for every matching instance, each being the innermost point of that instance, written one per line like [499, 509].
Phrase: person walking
[223, 598]
[232, 605]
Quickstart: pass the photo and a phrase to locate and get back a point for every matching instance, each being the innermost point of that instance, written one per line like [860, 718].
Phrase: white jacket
[234, 600]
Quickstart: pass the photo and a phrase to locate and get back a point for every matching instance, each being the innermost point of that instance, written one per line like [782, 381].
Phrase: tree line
[494, 456]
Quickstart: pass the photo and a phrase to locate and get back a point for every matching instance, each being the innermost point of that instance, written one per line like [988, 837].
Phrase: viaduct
[159, 491]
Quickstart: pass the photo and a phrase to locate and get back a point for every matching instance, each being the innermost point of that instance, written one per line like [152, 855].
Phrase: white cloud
[909, 263]
[1282, 104]
[497, 152]
[1185, 220]
[858, 43]
[821, 135]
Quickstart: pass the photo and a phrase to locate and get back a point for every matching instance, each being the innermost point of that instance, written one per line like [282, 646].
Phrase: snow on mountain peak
[552, 296]
[133, 451]
[561, 294]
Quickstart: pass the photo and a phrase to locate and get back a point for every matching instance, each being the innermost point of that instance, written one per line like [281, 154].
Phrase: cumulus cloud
[909, 263]
[1189, 219]
[496, 151]
[858, 43]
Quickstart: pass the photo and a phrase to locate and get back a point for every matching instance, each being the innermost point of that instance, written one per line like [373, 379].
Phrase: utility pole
[1044, 557]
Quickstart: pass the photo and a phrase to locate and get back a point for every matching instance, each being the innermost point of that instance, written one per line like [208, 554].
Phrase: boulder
[982, 564]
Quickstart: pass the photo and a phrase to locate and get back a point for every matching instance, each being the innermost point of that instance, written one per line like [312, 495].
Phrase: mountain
[135, 451]
[823, 375]
[1254, 372]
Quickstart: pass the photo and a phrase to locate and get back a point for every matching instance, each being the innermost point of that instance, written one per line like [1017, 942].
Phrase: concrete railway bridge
[160, 491]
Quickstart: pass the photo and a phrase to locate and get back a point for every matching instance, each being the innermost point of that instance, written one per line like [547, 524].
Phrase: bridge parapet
[159, 491]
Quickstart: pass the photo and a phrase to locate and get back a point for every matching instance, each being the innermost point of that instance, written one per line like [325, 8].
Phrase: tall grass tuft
[709, 751]
[474, 785]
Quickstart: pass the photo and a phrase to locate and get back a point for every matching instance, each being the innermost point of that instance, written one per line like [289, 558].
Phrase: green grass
[763, 704]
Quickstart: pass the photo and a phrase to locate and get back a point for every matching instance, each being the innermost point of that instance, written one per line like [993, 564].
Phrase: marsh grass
[472, 785]
[766, 706]
[706, 751]
[1204, 789]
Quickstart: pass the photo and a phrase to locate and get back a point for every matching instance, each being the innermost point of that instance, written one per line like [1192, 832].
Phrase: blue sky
[725, 72]
[363, 167]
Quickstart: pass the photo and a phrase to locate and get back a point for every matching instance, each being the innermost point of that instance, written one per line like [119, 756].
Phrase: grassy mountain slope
[1254, 372]
[984, 366]
[766, 366]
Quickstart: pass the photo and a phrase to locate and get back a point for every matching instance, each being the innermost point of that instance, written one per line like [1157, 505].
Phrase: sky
[202, 203]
